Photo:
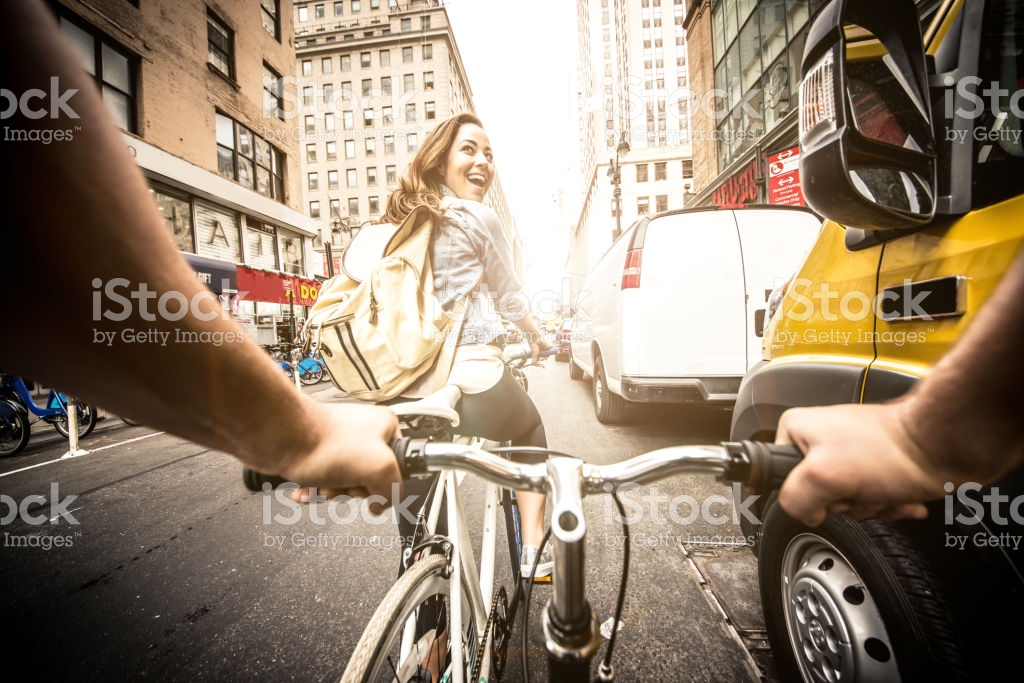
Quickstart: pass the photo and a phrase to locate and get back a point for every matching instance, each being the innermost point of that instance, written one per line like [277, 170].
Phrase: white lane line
[101, 448]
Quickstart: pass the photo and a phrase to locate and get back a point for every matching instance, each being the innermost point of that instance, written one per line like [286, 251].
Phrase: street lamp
[615, 173]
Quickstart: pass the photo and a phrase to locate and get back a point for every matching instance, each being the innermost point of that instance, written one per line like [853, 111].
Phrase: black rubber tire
[854, 600]
[14, 430]
[311, 376]
[575, 371]
[86, 421]
[370, 661]
[607, 406]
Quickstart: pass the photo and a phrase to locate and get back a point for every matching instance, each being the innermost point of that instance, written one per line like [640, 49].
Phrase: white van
[673, 311]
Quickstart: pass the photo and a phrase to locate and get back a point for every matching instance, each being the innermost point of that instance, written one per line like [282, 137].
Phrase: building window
[643, 205]
[385, 57]
[220, 46]
[428, 80]
[385, 115]
[269, 11]
[661, 203]
[314, 209]
[249, 159]
[364, 60]
[351, 179]
[328, 93]
[371, 176]
[406, 55]
[346, 62]
[389, 144]
[410, 112]
[314, 181]
[367, 86]
[429, 111]
[307, 67]
[311, 153]
[374, 206]
[327, 65]
[346, 120]
[355, 6]
[335, 208]
[641, 173]
[353, 206]
[385, 85]
[339, 9]
[367, 118]
[687, 169]
[391, 174]
[307, 96]
[413, 142]
[291, 250]
[350, 149]
[371, 147]
[303, 14]
[177, 214]
[660, 172]
[428, 51]
[112, 67]
[425, 22]
[408, 82]
[332, 180]
[318, 11]
[310, 124]
[332, 151]
[406, 25]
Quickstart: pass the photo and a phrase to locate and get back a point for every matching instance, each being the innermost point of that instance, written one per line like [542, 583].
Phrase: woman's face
[469, 169]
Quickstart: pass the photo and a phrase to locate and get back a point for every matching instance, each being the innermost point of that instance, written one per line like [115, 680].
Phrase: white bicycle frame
[480, 585]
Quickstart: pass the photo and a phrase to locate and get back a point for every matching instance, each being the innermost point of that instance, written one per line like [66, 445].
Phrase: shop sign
[739, 189]
[275, 288]
[784, 178]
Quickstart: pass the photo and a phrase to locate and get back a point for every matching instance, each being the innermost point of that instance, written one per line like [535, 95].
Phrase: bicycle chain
[498, 596]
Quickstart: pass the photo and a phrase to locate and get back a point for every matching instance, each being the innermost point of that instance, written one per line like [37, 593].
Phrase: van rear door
[685, 317]
[775, 242]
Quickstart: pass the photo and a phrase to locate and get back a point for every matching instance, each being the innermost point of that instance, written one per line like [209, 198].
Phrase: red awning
[276, 288]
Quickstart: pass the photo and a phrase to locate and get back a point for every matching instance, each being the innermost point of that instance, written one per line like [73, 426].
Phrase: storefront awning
[277, 288]
[219, 276]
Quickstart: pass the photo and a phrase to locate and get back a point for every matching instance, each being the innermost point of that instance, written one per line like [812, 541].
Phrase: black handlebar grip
[254, 480]
[759, 465]
[398, 447]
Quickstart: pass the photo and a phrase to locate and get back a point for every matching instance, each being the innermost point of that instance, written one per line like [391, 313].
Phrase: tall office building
[374, 77]
[633, 94]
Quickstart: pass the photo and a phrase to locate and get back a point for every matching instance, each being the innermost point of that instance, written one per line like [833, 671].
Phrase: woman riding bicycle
[470, 257]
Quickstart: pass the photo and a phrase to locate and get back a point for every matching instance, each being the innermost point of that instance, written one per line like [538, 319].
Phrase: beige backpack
[380, 335]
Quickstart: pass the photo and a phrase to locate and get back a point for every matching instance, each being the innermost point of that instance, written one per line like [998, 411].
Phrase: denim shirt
[472, 251]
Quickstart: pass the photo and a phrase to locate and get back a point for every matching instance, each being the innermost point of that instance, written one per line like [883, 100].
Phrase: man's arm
[77, 214]
[961, 423]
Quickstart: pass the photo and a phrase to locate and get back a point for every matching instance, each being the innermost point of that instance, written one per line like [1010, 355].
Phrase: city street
[174, 571]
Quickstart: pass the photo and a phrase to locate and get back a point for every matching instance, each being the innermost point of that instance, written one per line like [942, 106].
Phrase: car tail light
[631, 273]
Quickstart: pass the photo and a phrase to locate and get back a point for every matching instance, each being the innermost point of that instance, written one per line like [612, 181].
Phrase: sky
[521, 59]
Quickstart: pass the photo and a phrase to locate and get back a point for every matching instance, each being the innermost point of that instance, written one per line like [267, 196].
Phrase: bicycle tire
[14, 430]
[312, 373]
[373, 660]
[86, 421]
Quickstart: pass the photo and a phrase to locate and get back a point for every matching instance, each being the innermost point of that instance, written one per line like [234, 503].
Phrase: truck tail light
[631, 273]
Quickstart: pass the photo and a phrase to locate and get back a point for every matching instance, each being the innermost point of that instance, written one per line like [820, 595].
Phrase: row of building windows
[320, 9]
[643, 205]
[366, 60]
[366, 85]
[661, 170]
[373, 204]
[385, 116]
[249, 159]
[351, 178]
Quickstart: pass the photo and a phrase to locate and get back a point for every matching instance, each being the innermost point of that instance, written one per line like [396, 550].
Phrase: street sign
[784, 178]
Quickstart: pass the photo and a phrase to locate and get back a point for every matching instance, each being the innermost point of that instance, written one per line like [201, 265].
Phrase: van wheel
[575, 371]
[853, 602]
[607, 405]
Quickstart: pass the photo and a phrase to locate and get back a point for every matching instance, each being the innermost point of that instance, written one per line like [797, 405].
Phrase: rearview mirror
[868, 155]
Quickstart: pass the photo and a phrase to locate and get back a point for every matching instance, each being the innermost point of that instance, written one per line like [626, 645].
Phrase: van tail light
[631, 273]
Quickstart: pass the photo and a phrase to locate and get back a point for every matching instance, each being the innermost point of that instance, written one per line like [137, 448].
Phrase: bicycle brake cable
[526, 606]
[605, 672]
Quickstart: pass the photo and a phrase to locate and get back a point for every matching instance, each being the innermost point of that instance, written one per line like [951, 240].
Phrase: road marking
[94, 450]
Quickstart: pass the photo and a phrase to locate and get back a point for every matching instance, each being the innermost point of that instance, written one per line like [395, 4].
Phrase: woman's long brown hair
[421, 184]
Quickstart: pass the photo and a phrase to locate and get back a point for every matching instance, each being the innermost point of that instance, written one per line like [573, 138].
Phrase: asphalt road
[173, 571]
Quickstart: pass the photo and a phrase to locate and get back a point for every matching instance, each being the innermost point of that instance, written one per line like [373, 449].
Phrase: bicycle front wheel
[86, 421]
[422, 594]
[14, 429]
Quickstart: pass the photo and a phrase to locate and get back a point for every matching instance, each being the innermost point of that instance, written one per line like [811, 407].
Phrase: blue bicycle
[311, 370]
[14, 429]
[15, 394]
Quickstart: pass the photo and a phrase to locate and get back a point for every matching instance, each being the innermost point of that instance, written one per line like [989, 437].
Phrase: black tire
[309, 375]
[607, 406]
[129, 421]
[853, 601]
[86, 421]
[575, 371]
[14, 429]
[376, 652]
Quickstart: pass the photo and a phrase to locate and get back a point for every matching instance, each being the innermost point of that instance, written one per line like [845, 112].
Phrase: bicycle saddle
[441, 404]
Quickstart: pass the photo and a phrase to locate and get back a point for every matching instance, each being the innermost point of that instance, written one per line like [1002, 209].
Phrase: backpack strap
[443, 367]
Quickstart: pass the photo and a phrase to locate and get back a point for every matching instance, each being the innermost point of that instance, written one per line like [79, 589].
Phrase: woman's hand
[535, 348]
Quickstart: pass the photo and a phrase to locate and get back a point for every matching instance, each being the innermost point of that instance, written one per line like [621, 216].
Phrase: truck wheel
[575, 371]
[607, 405]
[853, 601]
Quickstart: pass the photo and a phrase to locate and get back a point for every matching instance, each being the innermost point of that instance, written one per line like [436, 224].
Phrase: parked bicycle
[311, 370]
[14, 392]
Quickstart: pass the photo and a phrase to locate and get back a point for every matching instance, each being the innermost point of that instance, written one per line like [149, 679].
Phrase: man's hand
[858, 459]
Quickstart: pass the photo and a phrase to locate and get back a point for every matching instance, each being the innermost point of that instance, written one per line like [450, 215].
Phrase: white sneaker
[529, 558]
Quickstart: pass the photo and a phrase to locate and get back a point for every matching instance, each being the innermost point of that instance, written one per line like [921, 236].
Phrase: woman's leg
[505, 412]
